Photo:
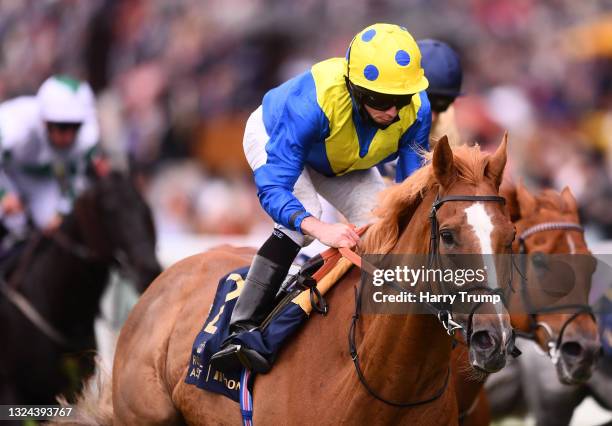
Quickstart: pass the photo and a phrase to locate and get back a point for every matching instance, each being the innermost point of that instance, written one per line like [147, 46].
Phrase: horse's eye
[447, 237]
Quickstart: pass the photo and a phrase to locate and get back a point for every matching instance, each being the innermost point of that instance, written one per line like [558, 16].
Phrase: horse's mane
[398, 203]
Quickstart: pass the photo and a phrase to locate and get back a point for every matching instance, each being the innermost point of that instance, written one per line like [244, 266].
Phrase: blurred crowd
[176, 80]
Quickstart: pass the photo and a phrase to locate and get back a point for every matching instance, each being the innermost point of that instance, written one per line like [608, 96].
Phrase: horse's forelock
[551, 199]
[398, 203]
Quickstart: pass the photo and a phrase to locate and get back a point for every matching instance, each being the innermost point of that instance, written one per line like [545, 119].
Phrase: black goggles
[440, 103]
[380, 101]
[64, 126]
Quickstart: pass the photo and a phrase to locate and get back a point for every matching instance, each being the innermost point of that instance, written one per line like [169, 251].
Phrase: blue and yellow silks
[311, 120]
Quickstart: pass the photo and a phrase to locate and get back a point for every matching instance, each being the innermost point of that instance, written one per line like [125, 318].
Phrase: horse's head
[476, 227]
[116, 223]
[555, 292]
[468, 219]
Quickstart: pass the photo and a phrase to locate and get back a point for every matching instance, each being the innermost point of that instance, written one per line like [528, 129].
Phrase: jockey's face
[62, 135]
[439, 104]
[385, 117]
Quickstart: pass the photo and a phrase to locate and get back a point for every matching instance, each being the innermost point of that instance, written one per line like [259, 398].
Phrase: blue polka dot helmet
[385, 58]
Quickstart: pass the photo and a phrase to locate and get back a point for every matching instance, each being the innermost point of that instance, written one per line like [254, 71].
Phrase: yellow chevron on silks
[342, 145]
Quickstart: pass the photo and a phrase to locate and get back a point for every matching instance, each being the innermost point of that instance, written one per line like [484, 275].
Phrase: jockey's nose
[392, 111]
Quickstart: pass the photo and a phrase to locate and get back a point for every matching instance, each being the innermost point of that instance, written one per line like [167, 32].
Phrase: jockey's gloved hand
[331, 234]
[53, 224]
[11, 204]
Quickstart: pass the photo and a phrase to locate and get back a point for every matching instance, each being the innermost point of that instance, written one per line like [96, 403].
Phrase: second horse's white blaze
[482, 225]
[570, 243]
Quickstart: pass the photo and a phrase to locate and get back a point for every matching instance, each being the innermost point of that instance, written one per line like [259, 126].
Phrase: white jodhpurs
[353, 194]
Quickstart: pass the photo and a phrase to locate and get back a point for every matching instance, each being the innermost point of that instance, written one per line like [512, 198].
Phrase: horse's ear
[497, 162]
[527, 202]
[508, 191]
[443, 165]
[569, 200]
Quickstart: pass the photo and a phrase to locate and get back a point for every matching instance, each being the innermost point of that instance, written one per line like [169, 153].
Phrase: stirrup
[234, 357]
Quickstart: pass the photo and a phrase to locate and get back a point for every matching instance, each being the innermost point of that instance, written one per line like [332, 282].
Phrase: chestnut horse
[404, 358]
[549, 224]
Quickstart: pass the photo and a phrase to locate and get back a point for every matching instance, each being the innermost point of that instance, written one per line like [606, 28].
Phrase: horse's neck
[413, 349]
[406, 357]
[63, 286]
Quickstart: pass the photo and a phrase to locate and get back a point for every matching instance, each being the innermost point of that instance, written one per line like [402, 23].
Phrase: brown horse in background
[550, 214]
[403, 358]
[52, 294]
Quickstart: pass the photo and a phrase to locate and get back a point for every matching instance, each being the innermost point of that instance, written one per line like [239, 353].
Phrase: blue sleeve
[414, 140]
[294, 121]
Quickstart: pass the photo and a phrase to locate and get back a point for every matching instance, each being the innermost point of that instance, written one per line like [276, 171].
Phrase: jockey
[324, 132]
[443, 71]
[47, 142]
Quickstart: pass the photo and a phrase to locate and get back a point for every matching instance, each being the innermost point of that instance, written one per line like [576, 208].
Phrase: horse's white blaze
[479, 220]
[482, 226]
[570, 243]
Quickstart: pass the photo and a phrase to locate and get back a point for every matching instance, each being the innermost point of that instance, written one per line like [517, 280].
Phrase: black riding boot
[256, 301]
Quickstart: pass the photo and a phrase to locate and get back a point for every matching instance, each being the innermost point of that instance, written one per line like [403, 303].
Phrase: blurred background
[175, 81]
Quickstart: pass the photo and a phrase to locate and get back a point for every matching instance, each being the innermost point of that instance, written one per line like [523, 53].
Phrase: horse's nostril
[483, 340]
[572, 349]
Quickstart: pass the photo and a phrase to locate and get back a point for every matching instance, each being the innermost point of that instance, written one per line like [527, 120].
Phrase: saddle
[299, 295]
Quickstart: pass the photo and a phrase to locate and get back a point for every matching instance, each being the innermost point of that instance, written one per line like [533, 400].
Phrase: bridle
[553, 345]
[442, 311]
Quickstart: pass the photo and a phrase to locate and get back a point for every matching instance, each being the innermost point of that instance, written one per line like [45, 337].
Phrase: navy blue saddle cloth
[266, 341]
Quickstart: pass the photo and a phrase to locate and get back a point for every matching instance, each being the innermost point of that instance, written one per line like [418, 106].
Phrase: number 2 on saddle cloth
[297, 297]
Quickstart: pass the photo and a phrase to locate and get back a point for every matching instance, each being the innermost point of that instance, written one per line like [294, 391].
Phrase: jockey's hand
[53, 224]
[101, 166]
[11, 204]
[331, 234]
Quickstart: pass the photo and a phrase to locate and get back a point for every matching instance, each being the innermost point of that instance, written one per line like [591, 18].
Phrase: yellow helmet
[384, 58]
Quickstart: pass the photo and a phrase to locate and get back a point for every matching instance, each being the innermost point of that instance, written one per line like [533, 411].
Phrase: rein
[553, 344]
[31, 313]
[74, 247]
[443, 312]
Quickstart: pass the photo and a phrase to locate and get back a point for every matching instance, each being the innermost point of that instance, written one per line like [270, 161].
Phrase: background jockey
[46, 142]
[324, 131]
[444, 73]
